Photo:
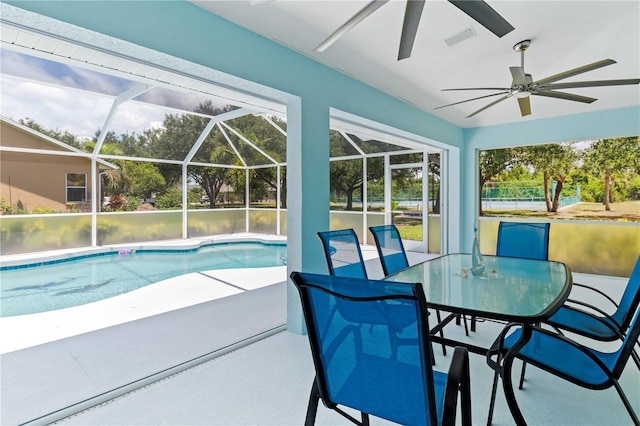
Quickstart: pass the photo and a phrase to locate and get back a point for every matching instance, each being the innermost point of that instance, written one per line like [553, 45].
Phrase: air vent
[460, 37]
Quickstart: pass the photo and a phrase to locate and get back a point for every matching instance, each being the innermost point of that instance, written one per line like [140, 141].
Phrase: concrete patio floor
[268, 382]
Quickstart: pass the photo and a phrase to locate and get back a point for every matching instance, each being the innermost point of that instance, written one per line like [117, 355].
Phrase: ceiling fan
[477, 9]
[523, 86]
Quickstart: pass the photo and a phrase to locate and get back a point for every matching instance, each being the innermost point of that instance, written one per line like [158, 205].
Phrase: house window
[76, 187]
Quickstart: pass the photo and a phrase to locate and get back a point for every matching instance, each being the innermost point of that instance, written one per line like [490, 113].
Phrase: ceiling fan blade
[472, 99]
[565, 96]
[589, 84]
[519, 77]
[504, 89]
[412, 15]
[484, 15]
[489, 105]
[525, 106]
[576, 71]
[355, 20]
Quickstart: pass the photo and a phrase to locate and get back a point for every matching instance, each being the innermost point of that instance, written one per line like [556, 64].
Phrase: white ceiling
[564, 34]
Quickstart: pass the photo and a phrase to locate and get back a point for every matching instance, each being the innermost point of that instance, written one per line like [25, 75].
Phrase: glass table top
[508, 288]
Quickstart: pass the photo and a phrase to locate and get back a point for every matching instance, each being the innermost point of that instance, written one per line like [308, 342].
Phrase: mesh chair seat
[581, 322]
[550, 353]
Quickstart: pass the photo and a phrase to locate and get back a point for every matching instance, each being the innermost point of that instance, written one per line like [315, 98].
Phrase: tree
[145, 179]
[612, 159]
[555, 161]
[64, 137]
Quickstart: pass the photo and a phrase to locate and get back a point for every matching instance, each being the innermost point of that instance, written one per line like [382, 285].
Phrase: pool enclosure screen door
[412, 202]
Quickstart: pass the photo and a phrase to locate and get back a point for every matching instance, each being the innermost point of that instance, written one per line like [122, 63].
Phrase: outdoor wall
[590, 247]
[38, 181]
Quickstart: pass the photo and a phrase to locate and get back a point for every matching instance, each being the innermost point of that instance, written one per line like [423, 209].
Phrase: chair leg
[365, 419]
[492, 402]
[312, 408]
[466, 328]
[626, 403]
[494, 386]
[524, 367]
[444, 348]
[636, 358]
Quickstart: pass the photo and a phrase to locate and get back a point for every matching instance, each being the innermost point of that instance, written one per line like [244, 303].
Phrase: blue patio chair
[344, 259]
[390, 248]
[354, 363]
[591, 321]
[595, 323]
[342, 251]
[570, 360]
[394, 258]
[525, 240]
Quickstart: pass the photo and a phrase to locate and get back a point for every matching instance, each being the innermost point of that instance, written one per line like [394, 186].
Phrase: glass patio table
[517, 290]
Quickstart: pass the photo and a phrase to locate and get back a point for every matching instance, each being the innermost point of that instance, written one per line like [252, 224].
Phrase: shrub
[172, 199]
[42, 210]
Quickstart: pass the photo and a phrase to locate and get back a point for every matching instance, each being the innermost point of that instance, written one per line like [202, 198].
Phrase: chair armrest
[458, 380]
[597, 291]
[498, 347]
[615, 330]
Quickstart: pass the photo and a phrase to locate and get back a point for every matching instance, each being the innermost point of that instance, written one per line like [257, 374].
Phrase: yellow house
[39, 172]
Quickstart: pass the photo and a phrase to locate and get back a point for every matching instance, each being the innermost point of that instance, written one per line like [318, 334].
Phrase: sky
[77, 100]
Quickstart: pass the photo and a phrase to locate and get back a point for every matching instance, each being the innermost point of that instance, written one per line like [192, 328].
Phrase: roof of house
[56, 143]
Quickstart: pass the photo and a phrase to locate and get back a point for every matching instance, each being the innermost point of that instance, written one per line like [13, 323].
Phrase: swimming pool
[48, 286]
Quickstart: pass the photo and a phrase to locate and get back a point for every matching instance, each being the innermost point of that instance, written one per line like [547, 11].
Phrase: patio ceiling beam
[226, 136]
[254, 146]
[215, 119]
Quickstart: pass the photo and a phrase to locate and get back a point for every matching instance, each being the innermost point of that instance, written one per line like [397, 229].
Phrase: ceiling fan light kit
[523, 86]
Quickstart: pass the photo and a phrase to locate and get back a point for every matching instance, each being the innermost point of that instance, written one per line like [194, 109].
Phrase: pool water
[33, 289]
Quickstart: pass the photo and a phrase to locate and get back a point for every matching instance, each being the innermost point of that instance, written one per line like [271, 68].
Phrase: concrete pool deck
[23, 331]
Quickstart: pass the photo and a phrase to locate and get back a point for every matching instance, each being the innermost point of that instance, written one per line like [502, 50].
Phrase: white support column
[425, 202]
[365, 221]
[185, 206]
[308, 185]
[278, 206]
[247, 201]
[387, 189]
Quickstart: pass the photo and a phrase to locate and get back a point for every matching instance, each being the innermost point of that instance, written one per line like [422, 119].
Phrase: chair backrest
[630, 299]
[354, 362]
[342, 251]
[390, 248]
[525, 240]
[630, 339]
